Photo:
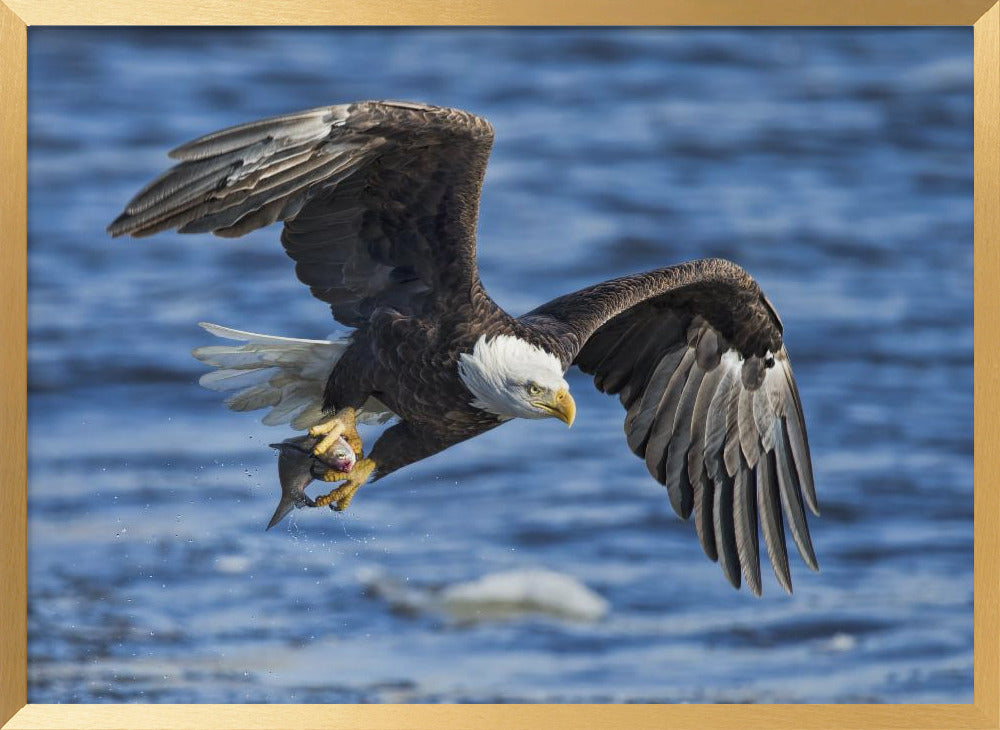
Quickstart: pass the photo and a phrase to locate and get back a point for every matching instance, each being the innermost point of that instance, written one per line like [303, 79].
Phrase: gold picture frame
[16, 15]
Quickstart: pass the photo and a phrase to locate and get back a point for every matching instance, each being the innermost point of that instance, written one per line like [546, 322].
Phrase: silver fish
[297, 467]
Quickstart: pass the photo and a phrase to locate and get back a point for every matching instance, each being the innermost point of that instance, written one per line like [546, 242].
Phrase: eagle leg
[342, 424]
[339, 498]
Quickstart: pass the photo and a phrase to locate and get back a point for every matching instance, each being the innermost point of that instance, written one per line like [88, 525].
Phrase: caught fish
[296, 464]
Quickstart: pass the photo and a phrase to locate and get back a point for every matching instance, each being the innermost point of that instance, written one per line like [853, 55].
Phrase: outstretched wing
[694, 352]
[379, 200]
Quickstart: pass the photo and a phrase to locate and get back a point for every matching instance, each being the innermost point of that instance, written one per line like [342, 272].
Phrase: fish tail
[285, 505]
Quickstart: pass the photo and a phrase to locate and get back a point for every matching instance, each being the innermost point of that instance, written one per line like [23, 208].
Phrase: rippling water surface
[835, 165]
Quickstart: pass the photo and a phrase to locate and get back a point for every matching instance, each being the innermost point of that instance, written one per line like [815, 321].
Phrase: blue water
[835, 165]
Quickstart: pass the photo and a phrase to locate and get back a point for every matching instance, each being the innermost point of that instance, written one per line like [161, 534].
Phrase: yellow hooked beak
[562, 406]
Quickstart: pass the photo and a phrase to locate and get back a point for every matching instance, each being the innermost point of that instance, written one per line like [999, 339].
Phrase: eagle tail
[285, 374]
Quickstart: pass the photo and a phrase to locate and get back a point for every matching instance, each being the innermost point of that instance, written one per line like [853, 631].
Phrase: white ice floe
[233, 564]
[494, 596]
[839, 642]
[532, 590]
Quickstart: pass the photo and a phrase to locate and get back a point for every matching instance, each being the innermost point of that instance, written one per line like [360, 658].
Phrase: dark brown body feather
[379, 202]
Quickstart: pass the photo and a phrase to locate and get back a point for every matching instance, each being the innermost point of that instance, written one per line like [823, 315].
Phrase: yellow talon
[341, 497]
[342, 424]
[354, 441]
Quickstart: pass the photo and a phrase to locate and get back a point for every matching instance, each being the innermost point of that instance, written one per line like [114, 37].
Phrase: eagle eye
[534, 389]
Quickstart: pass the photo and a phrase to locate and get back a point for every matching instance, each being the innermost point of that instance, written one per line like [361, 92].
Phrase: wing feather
[379, 200]
[749, 438]
[642, 349]
[662, 428]
[798, 441]
[791, 497]
[704, 498]
[745, 519]
[298, 127]
[675, 464]
[699, 420]
[715, 422]
[770, 520]
[696, 354]
[640, 420]
[725, 528]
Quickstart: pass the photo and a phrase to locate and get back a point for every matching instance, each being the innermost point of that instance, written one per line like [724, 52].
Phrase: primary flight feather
[379, 202]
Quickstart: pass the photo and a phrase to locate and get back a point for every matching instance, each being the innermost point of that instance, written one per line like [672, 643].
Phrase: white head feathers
[501, 372]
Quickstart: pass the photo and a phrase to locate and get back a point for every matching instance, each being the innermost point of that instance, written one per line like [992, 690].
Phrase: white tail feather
[285, 374]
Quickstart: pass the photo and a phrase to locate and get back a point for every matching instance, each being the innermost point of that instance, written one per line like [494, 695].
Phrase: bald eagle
[379, 202]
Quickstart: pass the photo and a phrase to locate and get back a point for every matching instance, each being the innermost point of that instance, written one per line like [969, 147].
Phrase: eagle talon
[339, 498]
[341, 425]
[354, 441]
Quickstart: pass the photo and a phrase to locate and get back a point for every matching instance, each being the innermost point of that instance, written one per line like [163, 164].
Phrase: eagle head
[512, 378]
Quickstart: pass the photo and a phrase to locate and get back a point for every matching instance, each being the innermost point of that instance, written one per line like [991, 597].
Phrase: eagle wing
[379, 200]
[695, 354]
